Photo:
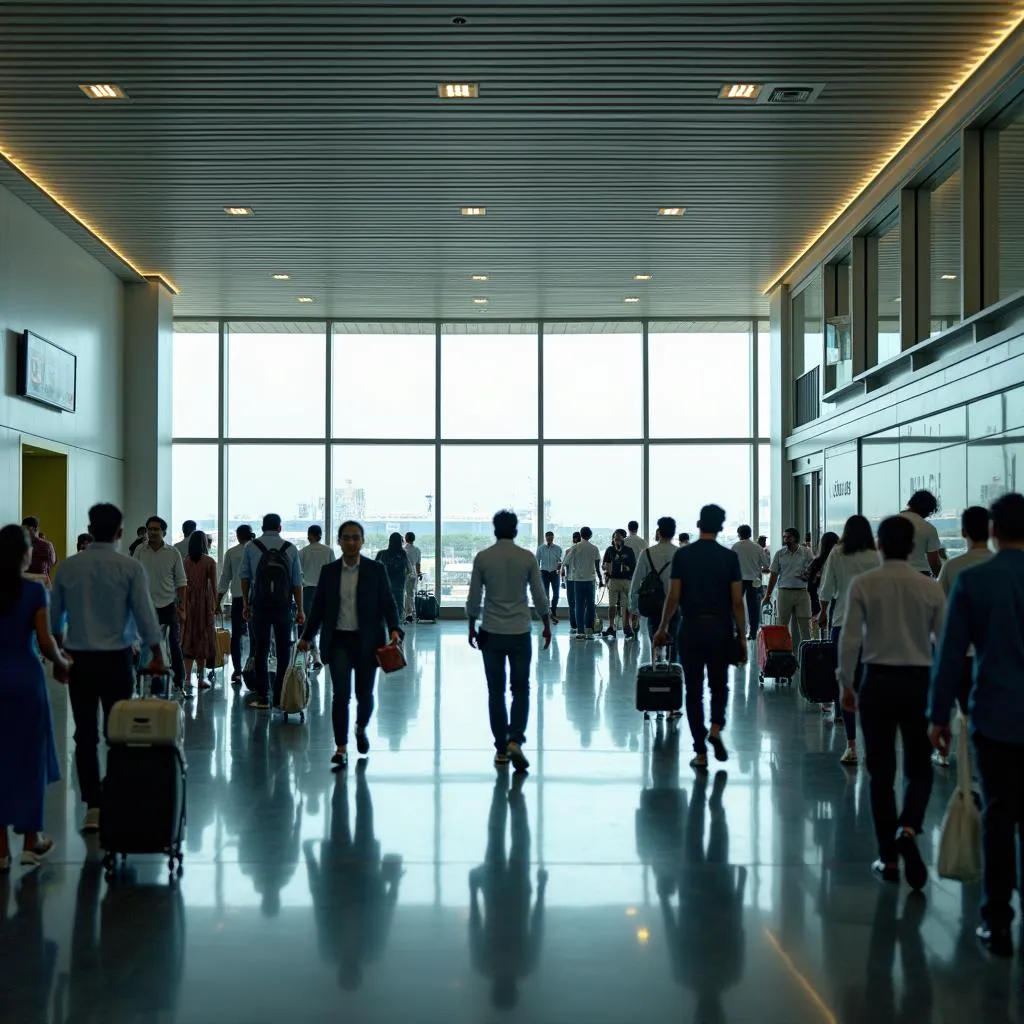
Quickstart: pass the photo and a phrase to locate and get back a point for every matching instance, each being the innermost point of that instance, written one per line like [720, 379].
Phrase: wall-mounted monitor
[47, 373]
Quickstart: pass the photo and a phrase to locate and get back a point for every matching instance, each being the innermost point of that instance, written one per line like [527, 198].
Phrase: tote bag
[960, 841]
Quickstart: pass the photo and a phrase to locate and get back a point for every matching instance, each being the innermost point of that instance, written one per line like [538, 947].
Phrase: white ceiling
[324, 119]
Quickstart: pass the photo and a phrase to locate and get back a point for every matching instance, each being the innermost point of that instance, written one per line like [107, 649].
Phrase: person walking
[503, 572]
[892, 615]
[828, 541]
[926, 558]
[105, 597]
[854, 554]
[271, 581]
[619, 566]
[974, 528]
[312, 559]
[754, 563]
[165, 573]
[549, 558]
[396, 564]
[584, 570]
[415, 557]
[655, 563]
[83, 541]
[707, 591]
[187, 529]
[355, 606]
[986, 607]
[140, 539]
[43, 558]
[199, 637]
[570, 584]
[28, 753]
[789, 569]
[634, 541]
[231, 584]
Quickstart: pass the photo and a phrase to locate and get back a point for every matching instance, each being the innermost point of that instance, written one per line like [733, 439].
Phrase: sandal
[33, 856]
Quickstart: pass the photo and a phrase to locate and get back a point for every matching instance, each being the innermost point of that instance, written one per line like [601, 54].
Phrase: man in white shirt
[789, 569]
[754, 562]
[187, 529]
[312, 558]
[549, 558]
[165, 572]
[655, 559]
[231, 583]
[584, 570]
[634, 541]
[893, 614]
[503, 572]
[415, 557]
[926, 557]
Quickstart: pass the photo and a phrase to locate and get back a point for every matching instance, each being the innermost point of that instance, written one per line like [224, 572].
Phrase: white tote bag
[960, 842]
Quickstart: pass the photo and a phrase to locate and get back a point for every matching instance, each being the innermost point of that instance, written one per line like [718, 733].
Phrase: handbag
[960, 840]
[391, 658]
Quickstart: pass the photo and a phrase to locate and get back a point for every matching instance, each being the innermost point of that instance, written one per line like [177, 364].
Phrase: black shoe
[341, 760]
[885, 872]
[518, 758]
[408, 619]
[721, 754]
[996, 940]
[630, 635]
[609, 633]
[914, 867]
[362, 741]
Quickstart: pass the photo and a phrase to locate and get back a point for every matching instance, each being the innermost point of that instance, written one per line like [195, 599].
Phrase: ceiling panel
[324, 119]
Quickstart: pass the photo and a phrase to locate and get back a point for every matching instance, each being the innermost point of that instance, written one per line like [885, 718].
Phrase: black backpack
[273, 578]
[650, 598]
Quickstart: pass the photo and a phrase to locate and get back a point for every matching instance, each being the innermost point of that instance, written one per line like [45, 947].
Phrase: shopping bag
[295, 687]
[391, 658]
[960, 840]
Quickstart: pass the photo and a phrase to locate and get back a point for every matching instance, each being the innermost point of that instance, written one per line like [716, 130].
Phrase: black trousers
[894, 699]
[168, 616]
[239, 628]
[98, 679]
[752, 596]
[1001, 768]
[347, 659]
[263, 624]
[704, 646]
[552, 585]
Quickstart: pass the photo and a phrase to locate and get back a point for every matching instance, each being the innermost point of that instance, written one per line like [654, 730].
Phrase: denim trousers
[517, 650]
[584, 601]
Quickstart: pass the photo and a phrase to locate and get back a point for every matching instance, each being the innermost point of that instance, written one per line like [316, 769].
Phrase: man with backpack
[271, 580]
[650, 584]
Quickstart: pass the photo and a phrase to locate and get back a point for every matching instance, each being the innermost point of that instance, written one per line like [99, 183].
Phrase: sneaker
[721, 754]
[340, 758]
[886, 872]
[609, 634]
[501, 758]
[581, 636]
[914, 867]
[37, 854]
[362, 741]
[849, 756]
[700, 762]
[92, 820]
[939, 760]
[518, 758]
[998, 941]
[554, 620]
[630, 635]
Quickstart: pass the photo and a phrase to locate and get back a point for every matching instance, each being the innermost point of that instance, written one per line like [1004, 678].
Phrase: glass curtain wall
[567, 423]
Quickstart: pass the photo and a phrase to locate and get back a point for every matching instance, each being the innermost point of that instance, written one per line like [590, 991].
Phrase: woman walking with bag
[396, 564]
[199, 634]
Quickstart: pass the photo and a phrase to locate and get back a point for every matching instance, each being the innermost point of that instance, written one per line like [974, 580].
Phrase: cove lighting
[238, 211]
[104, 91]
[739, 91]
[473, 211]
[458, 90]
[671, 211]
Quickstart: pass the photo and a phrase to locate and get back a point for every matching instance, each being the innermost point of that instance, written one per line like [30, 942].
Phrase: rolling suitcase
[775, 658]
[142, 808]
[426, 606]
[659, 686]
[818, 662]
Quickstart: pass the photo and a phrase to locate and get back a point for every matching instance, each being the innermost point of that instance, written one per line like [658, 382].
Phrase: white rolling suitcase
[147, 722]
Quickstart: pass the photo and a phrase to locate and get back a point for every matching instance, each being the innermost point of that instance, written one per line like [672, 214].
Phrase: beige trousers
[795, 613]
[618, 596]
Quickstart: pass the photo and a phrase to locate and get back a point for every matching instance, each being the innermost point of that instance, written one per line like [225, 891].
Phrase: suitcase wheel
[302, 717]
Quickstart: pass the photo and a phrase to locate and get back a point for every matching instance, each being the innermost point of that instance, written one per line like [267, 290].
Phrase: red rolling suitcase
[775, 658]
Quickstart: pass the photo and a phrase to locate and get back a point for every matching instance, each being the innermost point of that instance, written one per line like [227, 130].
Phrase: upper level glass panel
[945, 192]
[887, 308]
[808, 326]
[195, 373]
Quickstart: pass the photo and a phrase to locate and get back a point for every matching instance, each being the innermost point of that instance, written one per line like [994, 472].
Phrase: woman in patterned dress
[199, 638]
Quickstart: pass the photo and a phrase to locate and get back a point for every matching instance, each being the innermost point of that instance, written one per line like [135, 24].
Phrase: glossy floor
[610, 885]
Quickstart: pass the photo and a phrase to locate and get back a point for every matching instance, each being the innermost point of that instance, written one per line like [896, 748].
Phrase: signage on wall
[841, 491]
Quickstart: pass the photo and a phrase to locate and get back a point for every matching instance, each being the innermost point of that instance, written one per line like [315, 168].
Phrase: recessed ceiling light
[671, 211]
[739, 91]
[305, 298]
[473, 211]
[104, 91]
[281, 277]
[642, 277]
[478, 277]
[631, 298]
[947, 277]
[458, 90]
[480, 301]
[238, 211]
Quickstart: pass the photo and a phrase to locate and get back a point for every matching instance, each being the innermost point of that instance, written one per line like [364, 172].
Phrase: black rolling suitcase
[818, 662]
[426, 606]
[659, 686]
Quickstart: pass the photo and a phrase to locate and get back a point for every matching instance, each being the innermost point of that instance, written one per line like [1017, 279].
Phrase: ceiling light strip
[33, 179]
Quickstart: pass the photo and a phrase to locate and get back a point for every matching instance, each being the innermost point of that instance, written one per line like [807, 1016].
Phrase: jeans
[168, 616]
[398, 596]
[704, 644]
[552, 585]
[518, 649]
[849, 717]
[98, 679]
[347, 659]
[570, 599]
[584, 599]
[262, 624]
[618, 597]
[752, 595]
[894, 699]
[239, 628]
[308, 597]
[795, 613]
[1001, 768]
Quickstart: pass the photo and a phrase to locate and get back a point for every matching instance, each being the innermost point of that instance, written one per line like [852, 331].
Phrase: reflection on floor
[610, 885]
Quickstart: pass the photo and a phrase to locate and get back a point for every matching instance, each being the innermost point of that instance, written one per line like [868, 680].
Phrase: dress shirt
[753, 560]
[105, 596]
[583, 563]
[503, 572]
[252, 556]
[348, 609]
[415, 557]
[636, 544]
[926, 538]
[548, 557]
[792, 567]
[44, 558]
[954, 566]
[892, 613]
[986, 609]
[164, 570]
[661, 555]
[840, 570]
[182, 548]
[230, 581]
[312, 558]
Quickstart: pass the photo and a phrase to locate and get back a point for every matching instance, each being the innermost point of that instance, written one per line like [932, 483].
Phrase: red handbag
[391, 657]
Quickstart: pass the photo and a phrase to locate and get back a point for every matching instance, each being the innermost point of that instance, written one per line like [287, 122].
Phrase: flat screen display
[47, 373]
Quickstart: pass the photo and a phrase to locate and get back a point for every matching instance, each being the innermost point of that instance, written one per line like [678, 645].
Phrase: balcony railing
[807, 397]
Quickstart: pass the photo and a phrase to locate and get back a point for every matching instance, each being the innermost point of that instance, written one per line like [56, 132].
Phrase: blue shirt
[105, 596]
[252, 556]
[986, 608]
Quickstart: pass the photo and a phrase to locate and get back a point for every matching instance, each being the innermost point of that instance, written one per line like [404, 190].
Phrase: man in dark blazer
[354, 606]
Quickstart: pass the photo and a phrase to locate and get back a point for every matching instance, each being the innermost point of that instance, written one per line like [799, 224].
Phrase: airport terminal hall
[509, 512]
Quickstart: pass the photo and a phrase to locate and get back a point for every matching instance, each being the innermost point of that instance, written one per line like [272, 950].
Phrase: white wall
[51, 286]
